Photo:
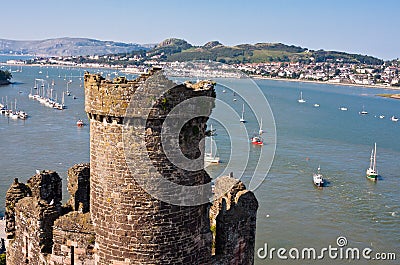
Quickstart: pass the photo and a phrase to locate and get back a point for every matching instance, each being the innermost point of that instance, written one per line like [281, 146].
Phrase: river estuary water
[292, 213]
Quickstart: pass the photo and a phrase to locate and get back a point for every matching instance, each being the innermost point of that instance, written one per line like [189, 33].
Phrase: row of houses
[327, 71]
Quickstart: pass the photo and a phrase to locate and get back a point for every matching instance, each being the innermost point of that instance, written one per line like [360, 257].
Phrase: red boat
[80, 123]
[257, 140]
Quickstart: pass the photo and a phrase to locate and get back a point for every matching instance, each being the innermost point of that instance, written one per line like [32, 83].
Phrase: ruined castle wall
[16, 192]
[234, 216]
[74, 240]
[34, 219]
[79, 187]
[131, 226]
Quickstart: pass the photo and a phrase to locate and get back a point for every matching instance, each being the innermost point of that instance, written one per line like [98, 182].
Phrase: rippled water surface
[292, 213]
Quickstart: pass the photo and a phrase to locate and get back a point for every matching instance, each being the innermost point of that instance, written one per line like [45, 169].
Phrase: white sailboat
[372, 173]
[260, 131]
[68, 92]
[31, 96]
[363, 112]
[62, 105]
[210, 158]
[14, 114]
[242, 118]
[301, 100]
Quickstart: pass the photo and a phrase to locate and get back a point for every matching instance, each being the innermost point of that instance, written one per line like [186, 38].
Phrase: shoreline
[324, 83]
[251, 76]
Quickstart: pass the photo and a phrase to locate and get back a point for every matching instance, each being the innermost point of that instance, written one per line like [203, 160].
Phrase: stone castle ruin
[110, 217]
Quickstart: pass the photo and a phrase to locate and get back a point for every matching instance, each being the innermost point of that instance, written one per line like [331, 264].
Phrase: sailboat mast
[375, 158]
[371, 159]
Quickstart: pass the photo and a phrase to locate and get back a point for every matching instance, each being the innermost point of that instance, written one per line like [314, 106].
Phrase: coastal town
[334, 72]
[331, 72]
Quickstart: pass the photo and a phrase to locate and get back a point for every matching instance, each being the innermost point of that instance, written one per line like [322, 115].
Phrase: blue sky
[359, 26]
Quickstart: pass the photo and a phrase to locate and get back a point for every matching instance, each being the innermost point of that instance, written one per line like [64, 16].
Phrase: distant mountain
[68, 47]
[181, 50]
[174, 49]
[170, 46]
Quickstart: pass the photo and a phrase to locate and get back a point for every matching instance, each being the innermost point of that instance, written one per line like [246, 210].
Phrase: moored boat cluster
[13, 114]
[48, 101]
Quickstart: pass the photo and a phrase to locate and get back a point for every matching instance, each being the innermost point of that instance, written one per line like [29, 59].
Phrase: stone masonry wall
[16, 192]
[110, 98]
[34, 218]
[131, 226]
[74, 240]
[79, 187]
[234, 216]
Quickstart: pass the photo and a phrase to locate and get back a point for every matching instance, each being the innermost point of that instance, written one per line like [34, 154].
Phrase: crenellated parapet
[34, 214]
[233, 217]
[110, 99]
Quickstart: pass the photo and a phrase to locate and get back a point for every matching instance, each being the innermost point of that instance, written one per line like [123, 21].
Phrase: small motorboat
[343, 108]
[318, 179]
[257, 140]
[394, 118]
[80, 123]
[316, 105]
[22, 115]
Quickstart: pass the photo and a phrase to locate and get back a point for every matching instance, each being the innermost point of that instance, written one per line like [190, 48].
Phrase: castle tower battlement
[143, 133]
[131, 226]
[110, 98]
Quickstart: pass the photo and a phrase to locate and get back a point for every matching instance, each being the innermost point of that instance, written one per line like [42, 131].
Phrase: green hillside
[180, 50]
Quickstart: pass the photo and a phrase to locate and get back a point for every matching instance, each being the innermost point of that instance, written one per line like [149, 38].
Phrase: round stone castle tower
[131, 225]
